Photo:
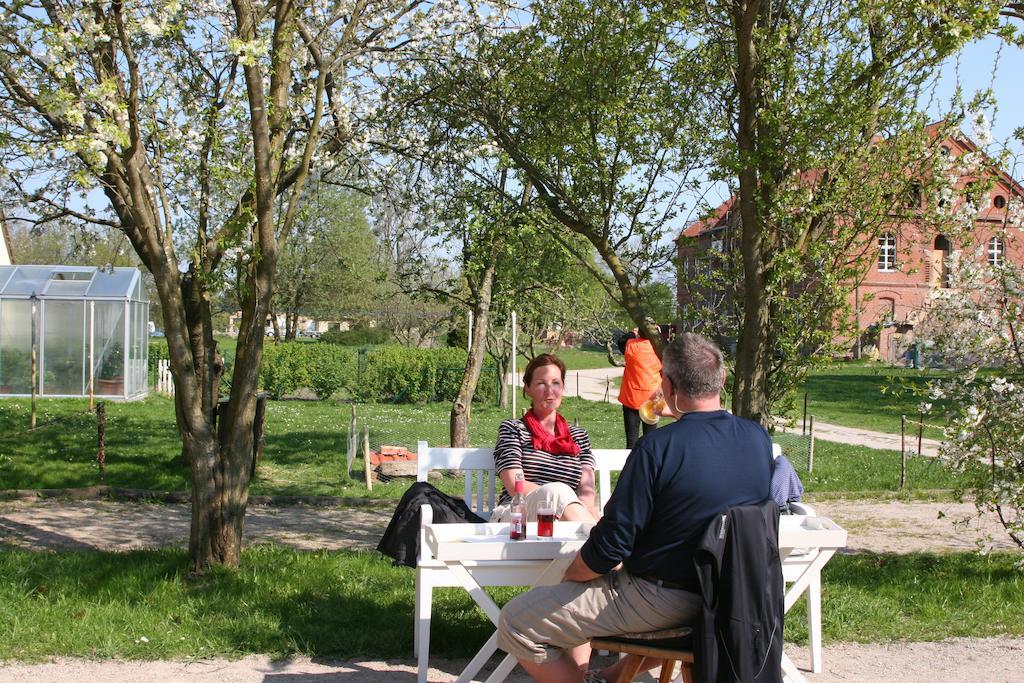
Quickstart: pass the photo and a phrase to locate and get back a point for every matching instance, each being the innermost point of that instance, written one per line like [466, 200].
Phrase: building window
[999, 202]
[996, 250]
[887, 252]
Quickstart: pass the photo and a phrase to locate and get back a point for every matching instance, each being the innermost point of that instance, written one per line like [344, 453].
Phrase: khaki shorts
[539, 625]
[554, 496]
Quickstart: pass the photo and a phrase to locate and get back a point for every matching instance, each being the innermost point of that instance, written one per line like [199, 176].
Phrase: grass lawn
[865, 472]
[851, 394]
[143, 605]
[575, 359]
[304, 451]
[306, 442]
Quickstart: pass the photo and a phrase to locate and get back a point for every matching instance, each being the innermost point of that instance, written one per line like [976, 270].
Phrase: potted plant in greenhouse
[110, 379]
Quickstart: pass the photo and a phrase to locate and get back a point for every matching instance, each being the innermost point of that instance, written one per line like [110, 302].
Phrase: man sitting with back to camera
[675, 481]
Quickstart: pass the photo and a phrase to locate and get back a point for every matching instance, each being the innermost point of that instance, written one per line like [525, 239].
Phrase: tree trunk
[276, 325]
[291, 326]
[461, 406]
[749, 397]
[503, 365]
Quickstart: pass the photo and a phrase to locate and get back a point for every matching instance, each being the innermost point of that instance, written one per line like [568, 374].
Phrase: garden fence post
[367, 472]
[903, 433]
[903, 469]
[920, 433]
[903, 451]
[353, 430]
[810, 449]
[101, 437]
[803, 430]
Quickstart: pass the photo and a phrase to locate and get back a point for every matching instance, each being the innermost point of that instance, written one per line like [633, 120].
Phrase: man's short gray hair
[693, 365]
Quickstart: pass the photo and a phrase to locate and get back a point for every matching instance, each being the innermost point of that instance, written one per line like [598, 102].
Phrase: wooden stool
[669, 645]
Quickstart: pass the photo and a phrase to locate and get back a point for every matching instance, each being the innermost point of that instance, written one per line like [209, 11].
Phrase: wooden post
[92, 344]
[101, 437]
[903, 469]
[32, 361]
[903, 451]
[368, 473]
[607, 389]
[920, 433]
[350, 456]
[903, 433]
[810, 449]
[257, 431]
[515, 367]
[803, 430]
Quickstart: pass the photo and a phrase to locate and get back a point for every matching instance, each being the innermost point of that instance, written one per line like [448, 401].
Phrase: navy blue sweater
[676, 479]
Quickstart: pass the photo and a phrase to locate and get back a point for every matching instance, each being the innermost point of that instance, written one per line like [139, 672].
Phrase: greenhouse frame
[88, 328]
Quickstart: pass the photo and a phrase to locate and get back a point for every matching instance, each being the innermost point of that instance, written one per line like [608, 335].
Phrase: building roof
[718, 216]
[704, 224]
[71, 282]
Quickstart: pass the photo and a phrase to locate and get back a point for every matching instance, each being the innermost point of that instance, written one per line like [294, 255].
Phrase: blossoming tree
[976, 327]
[191, 128]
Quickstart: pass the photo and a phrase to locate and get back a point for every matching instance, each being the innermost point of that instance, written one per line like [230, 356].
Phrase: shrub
[385, 374]
[357, 336]
[330, 369]
[403, 375]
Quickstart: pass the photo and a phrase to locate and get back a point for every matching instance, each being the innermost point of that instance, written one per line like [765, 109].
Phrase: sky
[985, 64]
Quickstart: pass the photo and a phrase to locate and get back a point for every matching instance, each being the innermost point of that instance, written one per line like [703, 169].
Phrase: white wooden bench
[480, 493]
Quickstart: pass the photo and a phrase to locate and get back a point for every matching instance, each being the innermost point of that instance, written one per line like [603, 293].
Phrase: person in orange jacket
[640, 379]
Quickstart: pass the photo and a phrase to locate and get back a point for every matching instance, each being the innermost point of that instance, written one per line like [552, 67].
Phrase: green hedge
[357, 336]
[391, 374]
[157, 352]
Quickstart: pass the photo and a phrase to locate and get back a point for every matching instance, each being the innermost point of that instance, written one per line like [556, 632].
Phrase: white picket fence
[164, 383]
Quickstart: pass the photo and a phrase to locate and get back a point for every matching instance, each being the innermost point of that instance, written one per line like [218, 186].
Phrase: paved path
[590, 384]
[594, 385]
[871, 439]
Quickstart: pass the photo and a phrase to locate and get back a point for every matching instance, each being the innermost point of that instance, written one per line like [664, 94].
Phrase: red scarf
[559, 443]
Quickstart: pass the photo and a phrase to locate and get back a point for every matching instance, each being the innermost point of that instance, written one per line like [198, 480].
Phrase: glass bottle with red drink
[517, 510]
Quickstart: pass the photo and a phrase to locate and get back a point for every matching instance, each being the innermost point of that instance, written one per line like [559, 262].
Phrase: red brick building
[910, 260]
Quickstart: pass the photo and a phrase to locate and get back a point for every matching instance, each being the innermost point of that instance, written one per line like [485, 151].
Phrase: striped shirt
[515, 450]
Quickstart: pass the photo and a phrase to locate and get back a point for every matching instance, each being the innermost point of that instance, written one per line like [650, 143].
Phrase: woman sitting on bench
[553, 457]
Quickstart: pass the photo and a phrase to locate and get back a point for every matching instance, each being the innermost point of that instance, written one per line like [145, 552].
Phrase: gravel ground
[895, 527]
[962, 659]
[889, 527]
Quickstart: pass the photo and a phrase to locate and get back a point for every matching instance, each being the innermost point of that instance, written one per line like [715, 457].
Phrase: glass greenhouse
[89, 328]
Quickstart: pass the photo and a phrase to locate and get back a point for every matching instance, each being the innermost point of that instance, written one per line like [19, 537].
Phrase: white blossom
[982, 129]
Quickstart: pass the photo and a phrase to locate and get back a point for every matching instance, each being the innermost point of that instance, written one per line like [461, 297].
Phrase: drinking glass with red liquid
[545, 522]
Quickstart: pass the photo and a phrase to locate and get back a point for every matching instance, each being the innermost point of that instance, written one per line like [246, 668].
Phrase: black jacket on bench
[738, 636]
[401, 540]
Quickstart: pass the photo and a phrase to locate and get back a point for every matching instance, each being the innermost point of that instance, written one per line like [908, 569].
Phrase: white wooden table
[472, 551]
[469, 551]
[806, 544]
